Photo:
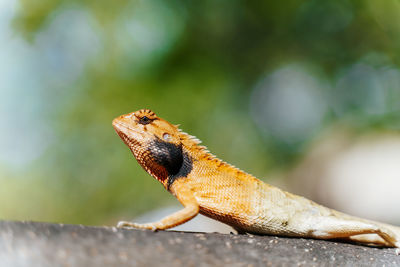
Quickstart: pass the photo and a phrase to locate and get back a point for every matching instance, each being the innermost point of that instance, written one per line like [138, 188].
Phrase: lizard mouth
[130, 142]
[121, 129]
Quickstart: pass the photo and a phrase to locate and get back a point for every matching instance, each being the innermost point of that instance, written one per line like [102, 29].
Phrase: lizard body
[207, 185]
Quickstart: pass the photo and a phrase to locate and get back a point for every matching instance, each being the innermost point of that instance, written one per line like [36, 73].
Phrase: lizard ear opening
[166, 137]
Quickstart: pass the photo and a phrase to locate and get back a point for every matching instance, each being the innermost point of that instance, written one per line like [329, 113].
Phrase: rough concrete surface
[46, 244]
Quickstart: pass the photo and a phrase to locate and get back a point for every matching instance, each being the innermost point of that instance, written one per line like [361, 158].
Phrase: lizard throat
[130, 142]
[163, 160]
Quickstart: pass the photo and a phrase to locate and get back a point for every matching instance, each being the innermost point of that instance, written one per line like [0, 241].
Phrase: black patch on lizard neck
[186, 168]
[177, 163]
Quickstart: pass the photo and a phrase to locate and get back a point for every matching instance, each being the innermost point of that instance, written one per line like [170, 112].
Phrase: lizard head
[155, 143]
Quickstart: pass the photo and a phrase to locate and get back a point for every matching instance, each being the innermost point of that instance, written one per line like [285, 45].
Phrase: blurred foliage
[208, 65]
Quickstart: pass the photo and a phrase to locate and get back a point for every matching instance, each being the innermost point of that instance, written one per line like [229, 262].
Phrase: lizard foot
[125, 224]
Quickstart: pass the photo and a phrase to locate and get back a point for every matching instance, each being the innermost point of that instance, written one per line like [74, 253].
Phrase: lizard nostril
[129, 116]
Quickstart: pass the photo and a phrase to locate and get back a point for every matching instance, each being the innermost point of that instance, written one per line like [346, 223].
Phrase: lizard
[204, 184]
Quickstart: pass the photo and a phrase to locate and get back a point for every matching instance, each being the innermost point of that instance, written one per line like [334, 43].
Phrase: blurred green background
[257, 82]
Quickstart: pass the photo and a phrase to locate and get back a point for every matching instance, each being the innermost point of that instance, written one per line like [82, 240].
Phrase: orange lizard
[205, 184]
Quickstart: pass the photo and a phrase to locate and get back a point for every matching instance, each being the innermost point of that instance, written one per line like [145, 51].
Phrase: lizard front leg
[190, 210]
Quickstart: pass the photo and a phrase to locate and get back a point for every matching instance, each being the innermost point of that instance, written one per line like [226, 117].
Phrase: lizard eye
[144, 120]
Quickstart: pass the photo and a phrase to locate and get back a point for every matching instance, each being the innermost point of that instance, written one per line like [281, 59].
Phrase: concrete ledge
[46, 244]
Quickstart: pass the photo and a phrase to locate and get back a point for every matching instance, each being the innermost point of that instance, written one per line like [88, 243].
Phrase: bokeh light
[262, 84]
